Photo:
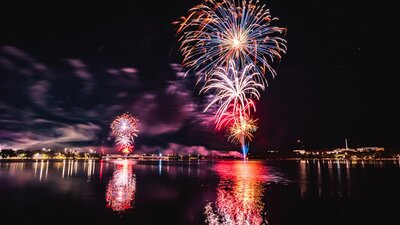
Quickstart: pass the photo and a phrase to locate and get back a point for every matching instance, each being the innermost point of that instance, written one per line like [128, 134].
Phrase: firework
[233, 90]
[125, 143]
[125, 124]
[242, 129]
[125, 128]
[234, 114]
[215, 32]
[240, 126]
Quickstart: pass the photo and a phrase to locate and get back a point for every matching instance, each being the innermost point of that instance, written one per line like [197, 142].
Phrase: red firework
[125, 129]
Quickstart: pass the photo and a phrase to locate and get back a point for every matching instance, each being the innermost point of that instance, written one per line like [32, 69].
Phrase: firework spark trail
[234, 114]
[125, 143]
[125, 128]
[216, 32]
[240, 126]
[233, 89]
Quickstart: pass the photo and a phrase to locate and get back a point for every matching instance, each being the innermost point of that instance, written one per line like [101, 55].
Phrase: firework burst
[125, 129]
[242, 129]
[125, 124]
[215, 32]
[240, 126]
[233, 90]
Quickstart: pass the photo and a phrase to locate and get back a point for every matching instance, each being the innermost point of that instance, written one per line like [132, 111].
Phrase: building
[301, 152]
[370, 149]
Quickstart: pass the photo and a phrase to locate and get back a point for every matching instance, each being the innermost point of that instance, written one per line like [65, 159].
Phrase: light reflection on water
[333, 177]
[325, 177]
[215, 192]
[41, 169]
[240, 192]
[121, 188]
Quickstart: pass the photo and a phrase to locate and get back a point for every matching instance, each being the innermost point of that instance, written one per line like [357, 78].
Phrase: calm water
[199, 192]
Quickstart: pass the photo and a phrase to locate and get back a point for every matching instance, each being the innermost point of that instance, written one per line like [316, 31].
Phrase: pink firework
[125, 129]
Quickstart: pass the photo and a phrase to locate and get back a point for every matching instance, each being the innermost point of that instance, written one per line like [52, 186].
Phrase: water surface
[199, 192]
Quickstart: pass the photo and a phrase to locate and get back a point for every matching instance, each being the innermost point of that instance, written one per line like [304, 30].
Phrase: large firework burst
[215, 32]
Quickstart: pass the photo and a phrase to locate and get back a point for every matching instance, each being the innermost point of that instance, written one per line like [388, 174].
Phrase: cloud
[76, 63]
[25, 61]
[129, 70]
[180, 72]
[77, 132]
[45, 106]
[17, 53]
[160, 113]
[38, 92]
[60, 135]
[7, 64]
[73, 104]
[82, 73]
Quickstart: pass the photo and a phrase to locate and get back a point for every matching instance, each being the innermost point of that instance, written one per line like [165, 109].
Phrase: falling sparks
[233, 89]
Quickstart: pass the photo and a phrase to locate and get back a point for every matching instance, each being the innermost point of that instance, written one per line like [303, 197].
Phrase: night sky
[68, 69]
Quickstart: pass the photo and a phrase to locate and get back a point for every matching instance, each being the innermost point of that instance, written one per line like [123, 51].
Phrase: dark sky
[67, 69]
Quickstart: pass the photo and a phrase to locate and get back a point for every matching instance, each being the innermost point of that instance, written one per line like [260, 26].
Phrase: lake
[199, 192]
